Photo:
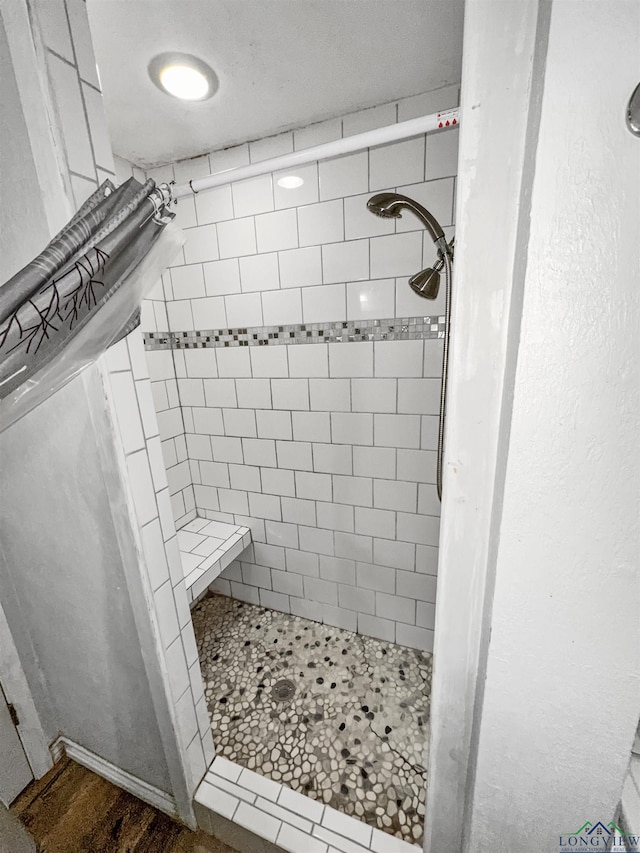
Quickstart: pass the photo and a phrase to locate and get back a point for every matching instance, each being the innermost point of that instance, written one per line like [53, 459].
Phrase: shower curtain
[82, 293]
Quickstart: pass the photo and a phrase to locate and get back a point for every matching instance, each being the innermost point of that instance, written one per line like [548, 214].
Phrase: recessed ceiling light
[184, 76]
[290, 182]
[184, 82]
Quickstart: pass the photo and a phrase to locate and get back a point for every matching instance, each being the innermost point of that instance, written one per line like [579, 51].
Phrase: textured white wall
[562, 693]
[63, 583]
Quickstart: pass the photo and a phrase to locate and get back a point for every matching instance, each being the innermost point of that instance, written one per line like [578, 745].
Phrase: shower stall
[283, 411]
[297, 373]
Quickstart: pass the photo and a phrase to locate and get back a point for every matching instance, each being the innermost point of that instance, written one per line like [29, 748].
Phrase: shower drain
[283, 690]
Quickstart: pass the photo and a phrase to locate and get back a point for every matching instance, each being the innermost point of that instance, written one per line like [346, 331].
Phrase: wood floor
[71, 810]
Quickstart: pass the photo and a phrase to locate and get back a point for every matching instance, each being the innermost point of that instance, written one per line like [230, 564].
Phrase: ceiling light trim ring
[163, 61]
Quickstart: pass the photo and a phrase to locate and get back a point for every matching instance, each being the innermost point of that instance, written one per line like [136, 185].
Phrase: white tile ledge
[206, 549]
[297, 824]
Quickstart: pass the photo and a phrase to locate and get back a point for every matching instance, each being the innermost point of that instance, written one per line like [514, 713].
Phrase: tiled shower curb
[284, 819]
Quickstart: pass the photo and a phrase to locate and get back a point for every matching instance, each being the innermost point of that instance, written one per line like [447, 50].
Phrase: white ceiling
[281, 64]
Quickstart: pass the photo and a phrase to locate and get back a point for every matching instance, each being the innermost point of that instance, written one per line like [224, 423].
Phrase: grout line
[59, 55]
[88, 83]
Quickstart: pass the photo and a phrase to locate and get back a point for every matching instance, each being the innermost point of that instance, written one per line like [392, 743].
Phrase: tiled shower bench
[206, 549]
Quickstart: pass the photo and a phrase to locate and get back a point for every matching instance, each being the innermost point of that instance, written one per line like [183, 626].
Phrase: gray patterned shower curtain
[82, 293]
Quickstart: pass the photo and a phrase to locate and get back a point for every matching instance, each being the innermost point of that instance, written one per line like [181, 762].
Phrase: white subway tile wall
[133, 406]
[325, 451]
[75, 89]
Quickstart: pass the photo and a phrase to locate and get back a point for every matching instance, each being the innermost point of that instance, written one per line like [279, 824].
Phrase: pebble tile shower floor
[354, 732]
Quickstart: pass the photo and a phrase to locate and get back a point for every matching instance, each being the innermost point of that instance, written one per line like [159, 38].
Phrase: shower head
[389, 205]
[427, 282]
[385, 205]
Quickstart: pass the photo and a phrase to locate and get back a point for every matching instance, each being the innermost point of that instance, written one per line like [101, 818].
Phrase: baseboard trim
[142, 790]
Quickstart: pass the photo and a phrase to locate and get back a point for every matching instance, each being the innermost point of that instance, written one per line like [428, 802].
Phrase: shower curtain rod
[379, 136]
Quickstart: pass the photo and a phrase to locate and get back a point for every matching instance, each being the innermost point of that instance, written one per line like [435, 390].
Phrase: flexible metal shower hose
[445, 368]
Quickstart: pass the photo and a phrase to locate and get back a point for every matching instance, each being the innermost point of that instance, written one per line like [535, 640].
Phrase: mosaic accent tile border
[399, 329]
